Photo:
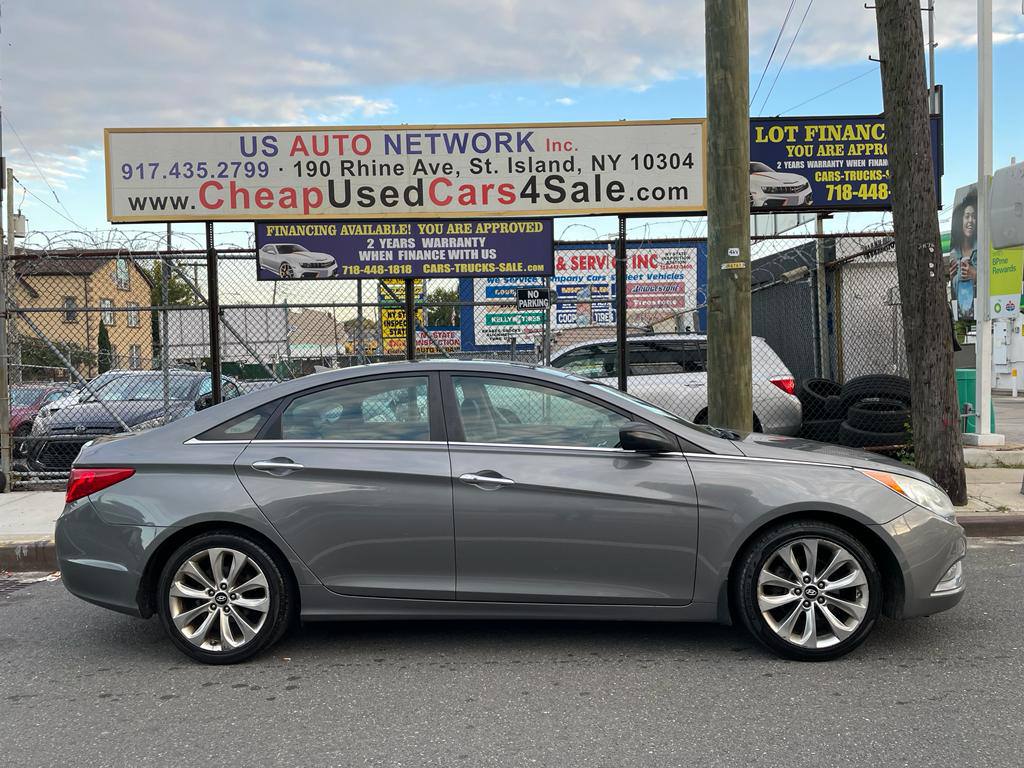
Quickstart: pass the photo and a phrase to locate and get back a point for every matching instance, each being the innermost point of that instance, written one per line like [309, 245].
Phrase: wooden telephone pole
[922, 275]
[728, 87]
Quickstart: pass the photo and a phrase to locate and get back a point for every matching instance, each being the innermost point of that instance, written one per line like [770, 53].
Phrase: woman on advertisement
[963, 256]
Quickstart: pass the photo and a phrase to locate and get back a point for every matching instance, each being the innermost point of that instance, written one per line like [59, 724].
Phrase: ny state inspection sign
[240, 174]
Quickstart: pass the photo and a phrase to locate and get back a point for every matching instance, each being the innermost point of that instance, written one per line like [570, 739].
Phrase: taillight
[84, 481]
[786, 383]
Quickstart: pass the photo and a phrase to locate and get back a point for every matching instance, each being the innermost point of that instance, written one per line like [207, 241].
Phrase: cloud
[565, 101]
[72, 68]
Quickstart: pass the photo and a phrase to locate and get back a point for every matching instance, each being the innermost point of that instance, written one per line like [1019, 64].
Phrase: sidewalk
[995, 508]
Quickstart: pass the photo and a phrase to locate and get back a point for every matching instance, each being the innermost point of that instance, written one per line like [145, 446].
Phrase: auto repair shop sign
[387, 249]
[239, 174]
[826, 163]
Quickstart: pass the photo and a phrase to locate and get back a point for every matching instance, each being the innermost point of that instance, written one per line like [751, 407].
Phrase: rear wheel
[223, 598]
[808, 590]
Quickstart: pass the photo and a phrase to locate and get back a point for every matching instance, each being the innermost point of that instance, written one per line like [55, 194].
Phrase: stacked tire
[865, 412]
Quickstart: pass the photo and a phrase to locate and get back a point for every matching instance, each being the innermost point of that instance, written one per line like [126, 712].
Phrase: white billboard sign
[449, 171]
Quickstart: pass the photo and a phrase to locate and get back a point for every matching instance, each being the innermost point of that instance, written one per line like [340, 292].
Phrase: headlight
[39, 425]
[923, 494]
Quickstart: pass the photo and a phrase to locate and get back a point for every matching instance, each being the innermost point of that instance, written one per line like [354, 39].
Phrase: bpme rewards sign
[240, 174]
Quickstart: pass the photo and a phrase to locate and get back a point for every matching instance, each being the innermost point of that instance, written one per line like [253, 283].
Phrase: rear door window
[380, 409]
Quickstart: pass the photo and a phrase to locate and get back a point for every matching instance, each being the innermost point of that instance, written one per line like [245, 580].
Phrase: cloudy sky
[71, 68]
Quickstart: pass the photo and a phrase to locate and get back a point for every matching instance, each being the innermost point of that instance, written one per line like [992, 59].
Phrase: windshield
[759, 168]
[129, 388]
[25, 396]
[291, 249]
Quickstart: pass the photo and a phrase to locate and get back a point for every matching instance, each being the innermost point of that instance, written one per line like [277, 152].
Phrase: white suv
[670, 370]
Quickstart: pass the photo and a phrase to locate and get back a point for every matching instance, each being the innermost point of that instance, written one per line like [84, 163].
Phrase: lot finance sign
[826, 163]
[447, 171]
[384, 249]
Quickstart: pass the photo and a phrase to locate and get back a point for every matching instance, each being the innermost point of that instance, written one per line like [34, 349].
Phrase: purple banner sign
[350, 250]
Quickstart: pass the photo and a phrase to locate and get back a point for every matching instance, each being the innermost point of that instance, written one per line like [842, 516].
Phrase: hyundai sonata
[451, 489]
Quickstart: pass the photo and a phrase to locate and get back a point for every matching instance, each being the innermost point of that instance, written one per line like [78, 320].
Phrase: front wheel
[808, 590]
[223, 598]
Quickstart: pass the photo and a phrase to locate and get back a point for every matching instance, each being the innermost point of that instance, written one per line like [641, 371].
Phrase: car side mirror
[643, 438]
[204, 401]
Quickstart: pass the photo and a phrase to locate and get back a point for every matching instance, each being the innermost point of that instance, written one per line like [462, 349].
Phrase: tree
[179, 294]
[442, 315]
[37, 355]
[105, 357]
[923, 282]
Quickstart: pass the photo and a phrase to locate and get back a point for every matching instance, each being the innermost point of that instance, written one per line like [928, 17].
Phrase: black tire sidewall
[754, 558]
[893, 417]
[279, 592]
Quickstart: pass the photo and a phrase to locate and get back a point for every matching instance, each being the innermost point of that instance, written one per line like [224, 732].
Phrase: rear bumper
[928, 547]
[99, 562]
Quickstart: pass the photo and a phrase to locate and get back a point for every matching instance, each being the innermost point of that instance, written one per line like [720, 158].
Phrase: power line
[825, 93]
[788, 51]
[772, 54]
[38, 169]
[46, 204]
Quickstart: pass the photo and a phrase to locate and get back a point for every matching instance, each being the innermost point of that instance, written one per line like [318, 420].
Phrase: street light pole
[983, 327]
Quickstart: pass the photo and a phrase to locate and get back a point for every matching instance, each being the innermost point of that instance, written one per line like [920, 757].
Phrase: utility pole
[728, 62]
[922, 277]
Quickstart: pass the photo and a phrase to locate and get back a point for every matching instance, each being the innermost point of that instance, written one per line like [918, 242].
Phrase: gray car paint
[106, 541]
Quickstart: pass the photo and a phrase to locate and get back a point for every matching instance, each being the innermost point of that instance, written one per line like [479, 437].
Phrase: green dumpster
[965, 392]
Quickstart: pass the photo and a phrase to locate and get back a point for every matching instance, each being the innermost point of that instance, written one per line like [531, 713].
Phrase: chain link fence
[114, 339]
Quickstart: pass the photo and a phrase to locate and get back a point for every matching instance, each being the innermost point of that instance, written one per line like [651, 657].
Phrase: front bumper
[317, 272]
[100, 562]
[784, 200]
[927, 548]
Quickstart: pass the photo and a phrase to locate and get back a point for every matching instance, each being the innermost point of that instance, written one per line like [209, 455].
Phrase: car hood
[100, 416]
[314, 255]
[779, 178]
[761, 446]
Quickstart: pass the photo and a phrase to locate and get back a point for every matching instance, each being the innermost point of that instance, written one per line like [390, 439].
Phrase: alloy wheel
[286, 271]
[219, 599]
[813, 593]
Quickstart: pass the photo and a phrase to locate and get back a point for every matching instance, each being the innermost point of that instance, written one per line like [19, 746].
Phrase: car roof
[640, 337]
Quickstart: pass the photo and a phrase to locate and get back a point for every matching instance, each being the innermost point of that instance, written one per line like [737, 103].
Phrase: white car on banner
[290, 260]
[773, 189]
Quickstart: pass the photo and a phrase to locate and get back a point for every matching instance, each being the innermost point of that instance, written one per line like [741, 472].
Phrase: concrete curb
[985, 526]
[39, 555]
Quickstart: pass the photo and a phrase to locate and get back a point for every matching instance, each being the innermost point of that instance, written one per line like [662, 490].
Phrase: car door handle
[480, 480]
[273, 467]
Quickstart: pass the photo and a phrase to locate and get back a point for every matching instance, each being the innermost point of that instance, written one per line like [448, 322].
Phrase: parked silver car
[670, 370]
[449, 489]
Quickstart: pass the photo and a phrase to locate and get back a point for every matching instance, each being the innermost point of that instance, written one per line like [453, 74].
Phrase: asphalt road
[83, 686]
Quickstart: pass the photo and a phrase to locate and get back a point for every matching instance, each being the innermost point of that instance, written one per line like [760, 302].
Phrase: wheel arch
[893, 583]
[146, 596]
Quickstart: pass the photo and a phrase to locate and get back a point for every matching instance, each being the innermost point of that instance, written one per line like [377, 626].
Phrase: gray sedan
[451, 489]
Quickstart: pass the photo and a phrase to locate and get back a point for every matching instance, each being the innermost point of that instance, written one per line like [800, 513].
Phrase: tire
[753, 591]
[859, 438]
[820, 399]
[269, 622]
[879, 416]
[20, 438]
[875, 386]
[286, 271]
[822, 430]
